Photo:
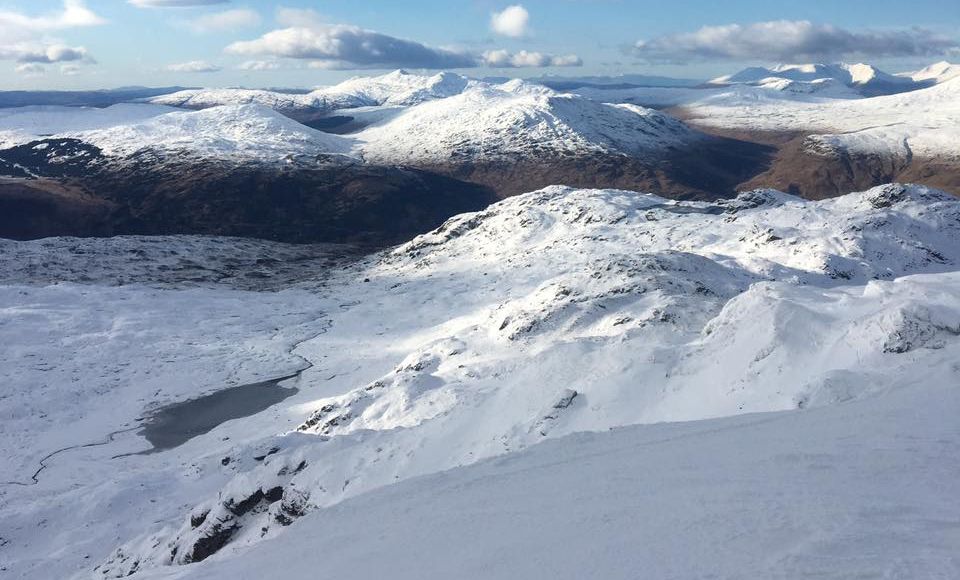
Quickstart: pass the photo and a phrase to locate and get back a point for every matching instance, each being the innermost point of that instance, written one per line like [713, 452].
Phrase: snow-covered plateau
[570, 383]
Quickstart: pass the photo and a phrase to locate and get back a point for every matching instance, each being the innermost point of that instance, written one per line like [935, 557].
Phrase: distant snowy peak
[396, 88]
[820, 87]
[517, 120]
[865, 77]
[252, 131]
[935, 73]
[207, 98]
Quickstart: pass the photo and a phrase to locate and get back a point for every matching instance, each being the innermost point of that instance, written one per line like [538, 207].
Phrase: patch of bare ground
[38, 208]
[705, 170]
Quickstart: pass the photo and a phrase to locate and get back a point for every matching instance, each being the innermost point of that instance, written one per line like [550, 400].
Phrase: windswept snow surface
[548, 314]
[518, 120]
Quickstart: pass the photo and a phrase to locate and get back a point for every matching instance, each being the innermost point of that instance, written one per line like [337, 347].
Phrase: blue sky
[300, 43]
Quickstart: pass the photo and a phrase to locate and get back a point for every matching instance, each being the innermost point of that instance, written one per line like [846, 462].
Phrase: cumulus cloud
[26, 38]
[523, 59]
[227, 20]
[174, 3]
[194, 66]
[73, 15]
[789, 40]
[20, 33]
[70, 70]
[259, 65]
[52, 53]
[512, 21]
[343, 47]
[30, 70]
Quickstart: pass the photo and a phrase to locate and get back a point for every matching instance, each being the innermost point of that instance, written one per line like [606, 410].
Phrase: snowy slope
[24, 124]
[548, 314]
[515, 121]
[286, 103]
[227, 131]
[935, 73]
[857, 490]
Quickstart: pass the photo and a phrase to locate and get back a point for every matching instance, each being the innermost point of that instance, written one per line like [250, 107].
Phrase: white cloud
[174, 3]
[70, 70]
[307, 36]
[24, 37]
[227, 20]
[789, 40]
[260, 65]
[524, 59]
[30, 70]
[194, 66]
[52, 53]
[512, 21]
[344, 47]
[73, 15]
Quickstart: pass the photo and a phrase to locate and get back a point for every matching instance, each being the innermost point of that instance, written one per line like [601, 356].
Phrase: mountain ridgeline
[378, 160]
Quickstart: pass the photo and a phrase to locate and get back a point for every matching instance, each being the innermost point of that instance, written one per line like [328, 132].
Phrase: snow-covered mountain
[516, 121]
[398, 88]
[233, 130]
[253, 132]
[519, 136]
[20, 125]
[544, 315]
[866, 78]
[841, 145]
[935, 73]
[924, 119]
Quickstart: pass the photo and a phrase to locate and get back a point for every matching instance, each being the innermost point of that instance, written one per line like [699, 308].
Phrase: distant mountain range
[866, 79]
[98, 98]
[455, 144]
